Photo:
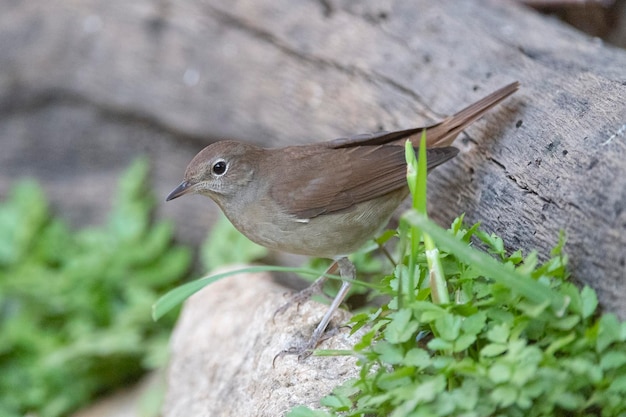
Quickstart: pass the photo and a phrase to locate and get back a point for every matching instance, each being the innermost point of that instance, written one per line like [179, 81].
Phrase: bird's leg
[346, 270]
[306, 294]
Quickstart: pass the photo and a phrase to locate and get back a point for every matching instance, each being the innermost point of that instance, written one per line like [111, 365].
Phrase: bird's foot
[346, 269]
[306, 294]
[306, 350]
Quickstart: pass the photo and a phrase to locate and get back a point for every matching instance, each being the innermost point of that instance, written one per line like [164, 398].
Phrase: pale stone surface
[224, 344]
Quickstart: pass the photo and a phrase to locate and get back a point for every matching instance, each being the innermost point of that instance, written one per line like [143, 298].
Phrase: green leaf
[558, 249]
[499, 373]
[422, 172]
[417, 169]
[609, 329]
[560, 343]
[504, 396]
[475, 323]
[385, 237]
[417, 357]
[495, 243]
[467, 396]
[427, 312]
[464, 342]
[570, 401]
[613, 359]
[400, 329]
[565, 323]
[499, 333]
[336, 403]
[440, 344]
[493, 349]
[448, 326]
[389, 353]
[618, 384]
[589, 301]
[516, 257]
[395, 379]
[427, 390]
[533, 310]
[416, 179]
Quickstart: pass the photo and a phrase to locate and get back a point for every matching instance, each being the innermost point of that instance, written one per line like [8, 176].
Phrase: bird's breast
[325, 235]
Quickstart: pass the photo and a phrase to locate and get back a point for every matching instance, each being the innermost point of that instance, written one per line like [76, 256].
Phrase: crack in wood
[498, 163]
[525, 188]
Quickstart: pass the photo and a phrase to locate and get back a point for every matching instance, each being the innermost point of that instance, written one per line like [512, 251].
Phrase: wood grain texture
[281, 72]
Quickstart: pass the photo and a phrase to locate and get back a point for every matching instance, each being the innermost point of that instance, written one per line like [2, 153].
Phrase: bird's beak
[182, 189]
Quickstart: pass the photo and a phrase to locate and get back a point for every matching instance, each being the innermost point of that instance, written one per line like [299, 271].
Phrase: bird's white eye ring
[219, 167]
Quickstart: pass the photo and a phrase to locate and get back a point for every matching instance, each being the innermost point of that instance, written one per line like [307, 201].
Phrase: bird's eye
[219, 167]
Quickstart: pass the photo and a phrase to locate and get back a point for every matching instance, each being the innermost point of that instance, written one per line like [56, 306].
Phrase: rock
[224, 345]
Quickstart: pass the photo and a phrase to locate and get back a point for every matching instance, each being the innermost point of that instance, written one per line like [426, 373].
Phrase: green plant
[74, 306]
[514, 337]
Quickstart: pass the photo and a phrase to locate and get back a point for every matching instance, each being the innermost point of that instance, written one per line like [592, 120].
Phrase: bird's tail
[443, 133]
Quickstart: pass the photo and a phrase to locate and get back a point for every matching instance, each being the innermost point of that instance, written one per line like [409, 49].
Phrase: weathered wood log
[279, 73]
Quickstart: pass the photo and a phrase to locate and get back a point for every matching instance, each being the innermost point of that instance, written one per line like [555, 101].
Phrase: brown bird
[324, 199]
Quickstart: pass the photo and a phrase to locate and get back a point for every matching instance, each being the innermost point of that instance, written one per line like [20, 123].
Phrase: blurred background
[102, 105]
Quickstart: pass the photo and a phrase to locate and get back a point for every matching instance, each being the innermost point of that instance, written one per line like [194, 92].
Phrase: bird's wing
[329, 180]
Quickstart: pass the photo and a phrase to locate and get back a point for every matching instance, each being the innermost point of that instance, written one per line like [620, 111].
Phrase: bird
[324, 199]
